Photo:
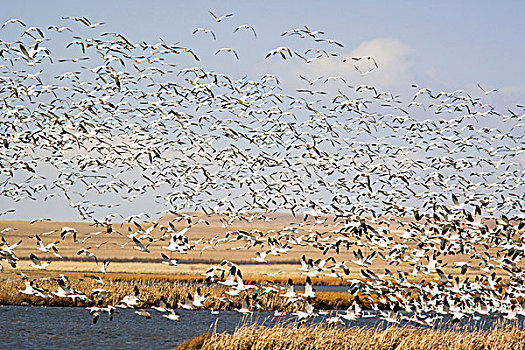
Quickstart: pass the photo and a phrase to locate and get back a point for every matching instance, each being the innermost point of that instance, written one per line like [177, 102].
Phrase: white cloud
[393, 57]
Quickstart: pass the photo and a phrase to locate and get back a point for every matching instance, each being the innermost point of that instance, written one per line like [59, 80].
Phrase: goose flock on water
[118, 120]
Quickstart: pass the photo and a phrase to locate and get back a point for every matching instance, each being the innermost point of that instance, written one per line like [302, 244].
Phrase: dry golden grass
[322, 337]
[157, 279]
[174, 290]
[125, 259]
[195, 343]
[121, 257]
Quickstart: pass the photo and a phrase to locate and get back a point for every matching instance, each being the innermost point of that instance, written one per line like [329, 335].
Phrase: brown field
[127, 260]
[328, 337]
[128, 264]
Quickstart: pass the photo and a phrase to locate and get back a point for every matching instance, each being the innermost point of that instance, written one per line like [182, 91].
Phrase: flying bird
[279, 51]
[228, 49]
[245, 26]
[13, 20]
[205, 31]
[221, 18]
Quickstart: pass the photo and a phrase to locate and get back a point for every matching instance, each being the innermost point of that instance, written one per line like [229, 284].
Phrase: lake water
[61, 328]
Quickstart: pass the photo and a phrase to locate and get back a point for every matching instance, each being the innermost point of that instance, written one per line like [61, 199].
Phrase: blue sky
[444, 45]
[449, 44]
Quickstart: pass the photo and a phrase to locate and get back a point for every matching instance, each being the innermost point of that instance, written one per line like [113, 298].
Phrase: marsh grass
[152, 290]
[312, 337]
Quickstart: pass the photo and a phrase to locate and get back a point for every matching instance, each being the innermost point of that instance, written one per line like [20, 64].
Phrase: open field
[211, 243]
[128, 260]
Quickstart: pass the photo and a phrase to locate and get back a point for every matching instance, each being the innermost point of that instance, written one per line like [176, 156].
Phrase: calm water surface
[67, 328]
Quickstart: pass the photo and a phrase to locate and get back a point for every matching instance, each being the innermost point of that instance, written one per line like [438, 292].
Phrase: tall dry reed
[151, 292]
[322, 337]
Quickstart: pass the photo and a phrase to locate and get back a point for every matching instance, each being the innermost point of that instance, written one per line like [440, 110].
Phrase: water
[66, 327]
[57, 327]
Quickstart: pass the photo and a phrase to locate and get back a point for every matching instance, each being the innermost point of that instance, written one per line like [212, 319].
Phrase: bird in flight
[279, 51]
[228, 49]
[221, 18]
[13, 20]
[205, 31]
[245, 26]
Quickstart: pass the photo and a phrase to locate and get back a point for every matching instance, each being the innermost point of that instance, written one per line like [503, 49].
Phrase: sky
[443, 45]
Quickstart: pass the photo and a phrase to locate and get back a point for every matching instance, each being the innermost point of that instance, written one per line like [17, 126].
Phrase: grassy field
[129, 265]
[117, 248]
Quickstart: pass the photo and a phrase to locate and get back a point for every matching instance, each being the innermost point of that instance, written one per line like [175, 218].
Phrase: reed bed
[322, 337]
[192, 278]
[151, 292]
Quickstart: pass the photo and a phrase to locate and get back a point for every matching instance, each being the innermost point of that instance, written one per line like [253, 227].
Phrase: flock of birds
[111, 121]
